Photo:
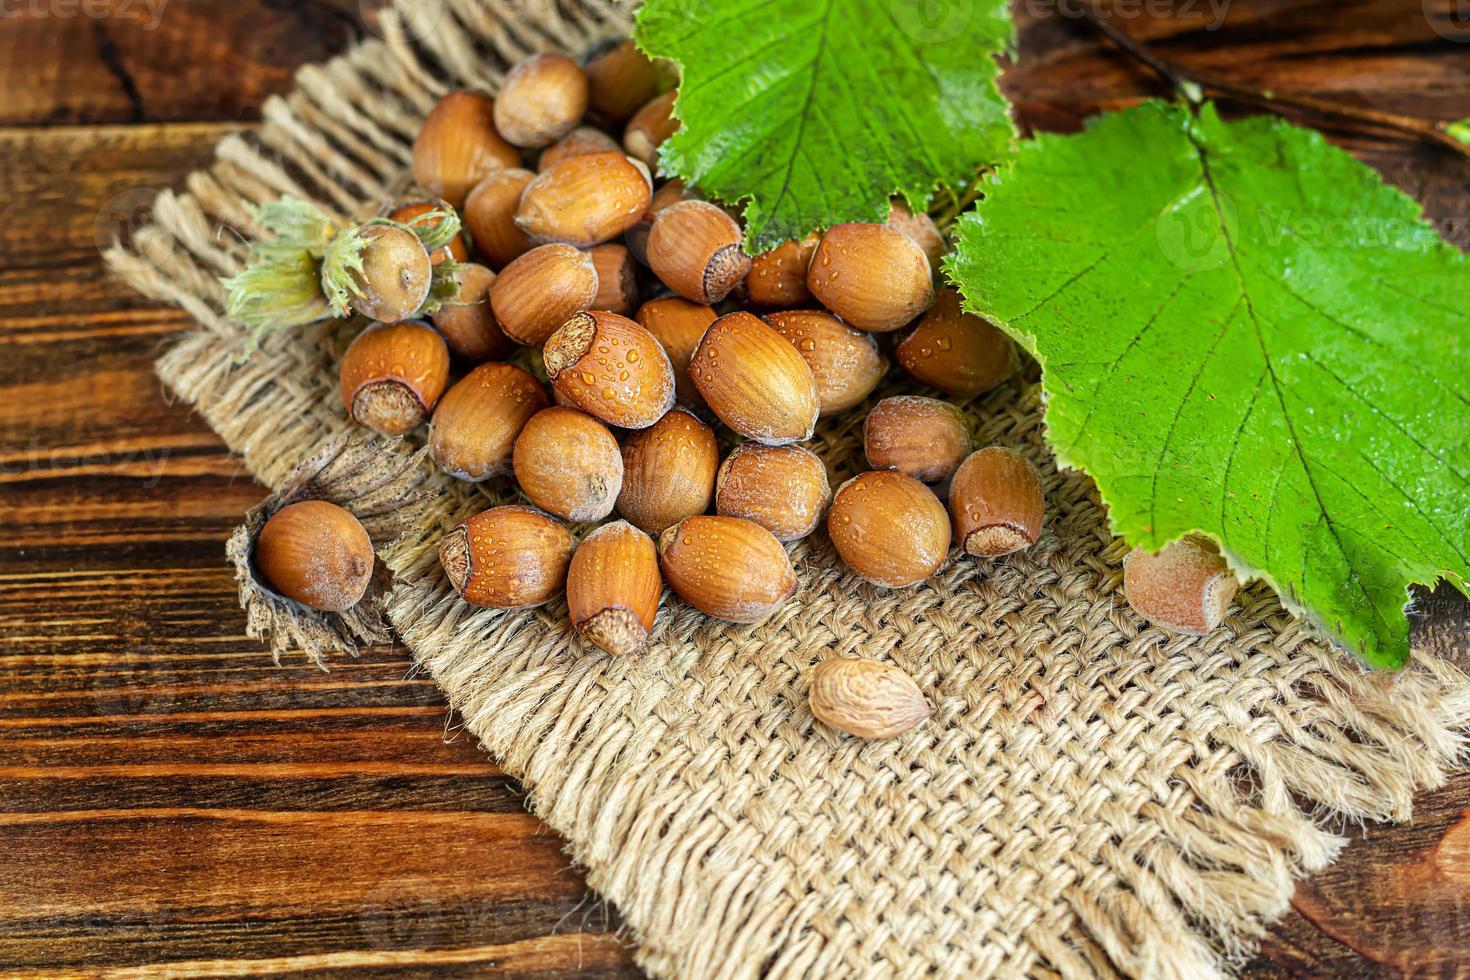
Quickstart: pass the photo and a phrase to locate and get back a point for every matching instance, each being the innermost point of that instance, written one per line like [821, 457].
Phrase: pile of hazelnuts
[653, 326]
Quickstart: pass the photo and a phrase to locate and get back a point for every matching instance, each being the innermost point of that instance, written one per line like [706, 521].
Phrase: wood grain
[170, 801]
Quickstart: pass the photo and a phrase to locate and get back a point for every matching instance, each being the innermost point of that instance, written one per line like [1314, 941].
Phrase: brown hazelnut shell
[392, 375]
[476, 424]
[755, 381]
[726, 567]
[569, 464]
[668, 472]
[784, 489]
[510, 557]
[458, 145]
[317, 554]
[611, 368]
[889, 528]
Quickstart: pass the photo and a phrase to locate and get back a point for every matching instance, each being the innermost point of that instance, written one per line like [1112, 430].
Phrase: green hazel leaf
[1460, 130]
[817, 111]
[1244, 332]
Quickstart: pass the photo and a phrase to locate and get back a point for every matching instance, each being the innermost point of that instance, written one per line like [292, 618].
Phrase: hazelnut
[778, 277]
[585, 200]
[726, 567]
[458, 145]
[866, 698]
[390, 276]
[407, 214]
[490, 216]
[923, 437]
[845, 362]
[697, 250]
[392, 375]
[873, 277]
[678, 325]
[611, 368]
[653, 123]
[621, 78]
[508, 558]
[996, 503]
[541, 100]
[1187, 587]
[667, 195]
[468, 323]
[755, 381]
[957, 352]
[317, 554]
[784, 489]
[617, 278]
[477, 421]
[537, 292]
[579, 142]
[613, 588]
[921, 228]
[569, 464]
[668, 472]
[889, 528]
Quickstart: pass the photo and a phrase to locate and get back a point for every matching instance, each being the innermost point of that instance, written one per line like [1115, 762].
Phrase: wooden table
[169, 797]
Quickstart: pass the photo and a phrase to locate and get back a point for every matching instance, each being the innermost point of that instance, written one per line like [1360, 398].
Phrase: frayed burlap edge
[1092, 797]
[382, 484]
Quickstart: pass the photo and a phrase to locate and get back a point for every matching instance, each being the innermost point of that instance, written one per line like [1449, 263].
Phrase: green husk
[306, 270]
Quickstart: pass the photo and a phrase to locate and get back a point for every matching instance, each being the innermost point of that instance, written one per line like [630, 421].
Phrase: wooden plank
[96, 61]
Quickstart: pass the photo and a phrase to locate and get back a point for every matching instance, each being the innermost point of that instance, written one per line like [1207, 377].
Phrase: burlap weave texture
[1092, 796]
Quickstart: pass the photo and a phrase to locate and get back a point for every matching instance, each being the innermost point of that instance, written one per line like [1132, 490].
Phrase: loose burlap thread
[1092, 796]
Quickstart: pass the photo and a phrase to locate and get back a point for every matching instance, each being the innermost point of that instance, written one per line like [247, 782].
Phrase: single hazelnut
[784, 489]
[407, 214]
[889, 528]
[468, 322]
[875, 278]
[537, 292]
[569, 464]
[778, 277]
[392, 375]
[678, 325]
[477, 421]
[698, 251]
[996, 502]
[317, 554]
[1187, 587]
[957, 352]
[490, 216]
[390, 276]
[622, 79]
[613, 588]
[541, 100]
[845, 362]
[653, 123]
[611, 368]
[458, 145]
[866, 698]
[726, 567]
[617, 278]
[921, 228]
[668, 472]
[755, 381]
[510, 557]
[923, 437]
[579, 142]
[585, 200]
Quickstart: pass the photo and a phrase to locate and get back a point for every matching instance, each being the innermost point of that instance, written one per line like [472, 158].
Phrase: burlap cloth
[1092, 796]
